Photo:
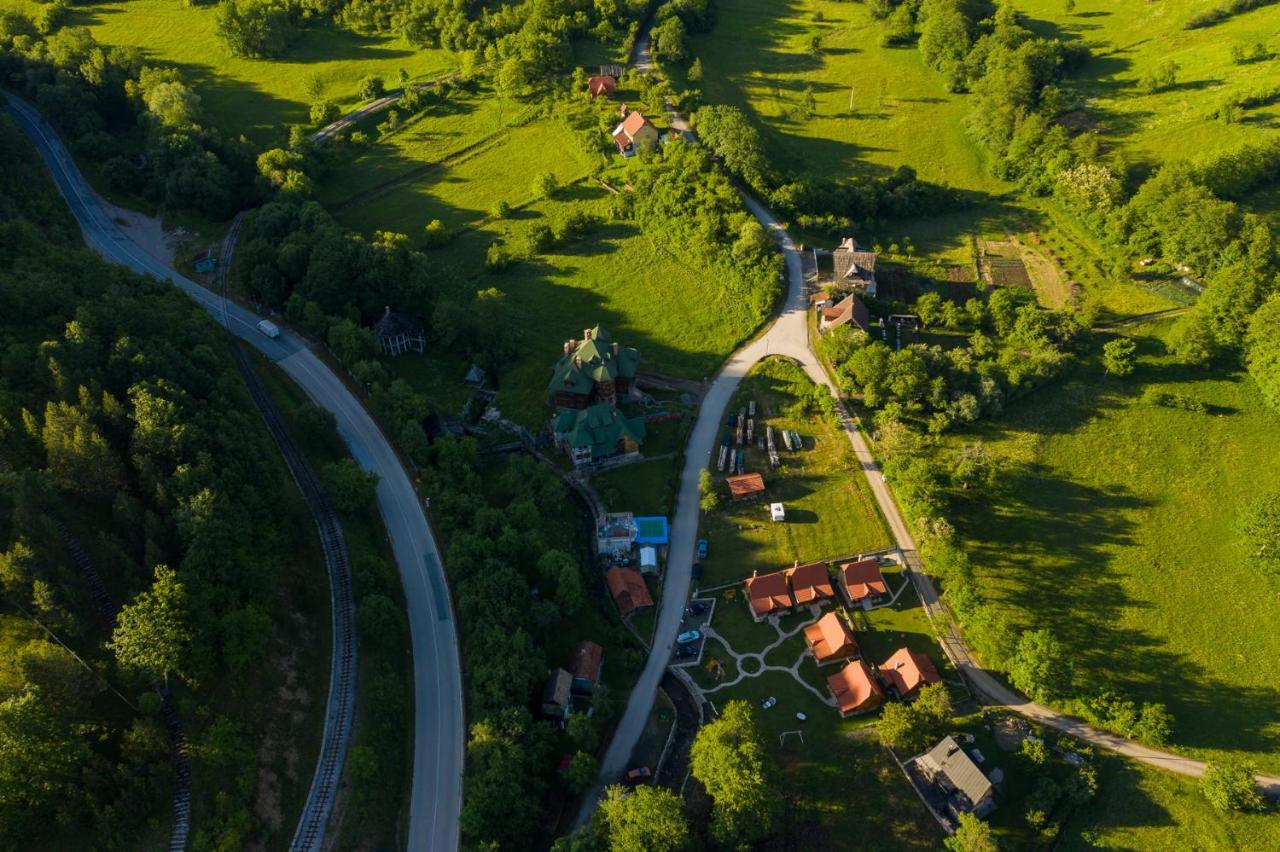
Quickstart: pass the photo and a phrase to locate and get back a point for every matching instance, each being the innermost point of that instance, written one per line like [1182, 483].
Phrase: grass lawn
[1114, 525]
[829, 512]
[256, 97]
[1130, 38]
[757, 57]
[437, 372]
[645, 488]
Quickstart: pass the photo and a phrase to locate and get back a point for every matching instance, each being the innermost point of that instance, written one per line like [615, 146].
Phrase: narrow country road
[438, 725]
[789, 336]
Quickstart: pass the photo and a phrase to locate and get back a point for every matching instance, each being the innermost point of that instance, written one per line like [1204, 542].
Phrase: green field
[256, 97]
[757, 57]
[1130, 38]
[830, 514]
[1114, 524]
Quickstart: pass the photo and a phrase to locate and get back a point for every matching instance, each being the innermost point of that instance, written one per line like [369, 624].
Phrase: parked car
[689, 636]
[685, 652]
[768, 703]
[702, 548]
[696, 608]
[697, 571]
[639, 774]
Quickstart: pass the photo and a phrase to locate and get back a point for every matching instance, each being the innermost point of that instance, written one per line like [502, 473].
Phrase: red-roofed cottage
[862, 584]
[810, 583]
[855, 689]
[767, 594]
[634, 132]
[830, 640]
[905, 672]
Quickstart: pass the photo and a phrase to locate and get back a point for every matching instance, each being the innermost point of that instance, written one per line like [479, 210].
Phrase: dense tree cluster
[121, 413]
[728, 757]
[682, 201]
[517, 579]
[141, 124]
[832, 205]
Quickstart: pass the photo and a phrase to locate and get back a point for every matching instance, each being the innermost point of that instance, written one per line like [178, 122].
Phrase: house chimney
[622, 111]
[387, 309]
[577, 362]
[586, 334]
[568, 346]
[615, 347]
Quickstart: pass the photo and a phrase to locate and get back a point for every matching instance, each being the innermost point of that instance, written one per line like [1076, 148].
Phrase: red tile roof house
[905, 672]
[862, 584]
[849, 310]
[768, 594]
[855, 689]
[628, 589]
[830, 640]
[633, 132]
[810, 583]
[745, 486]
[601, 84]
[585, 662]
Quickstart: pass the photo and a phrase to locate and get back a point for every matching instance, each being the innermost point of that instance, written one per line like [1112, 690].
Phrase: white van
[269, 328]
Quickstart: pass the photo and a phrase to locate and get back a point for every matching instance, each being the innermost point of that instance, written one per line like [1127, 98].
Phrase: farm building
[862, 584]
[855, 266]
[628, 590]
[596, 369]
[830, 640]
[397, 333]
[810, 583]
[745, 485]
[648, 559]
[633, 132]
[601, 85]
[849, 310]
[597, 433]
[585, 662]
[906, 671]
[855, 689]
[557, 698]
[957, 777]
[768, 594]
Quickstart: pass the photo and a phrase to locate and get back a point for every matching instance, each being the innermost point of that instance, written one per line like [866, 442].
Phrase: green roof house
[596, 433]
[594, 370]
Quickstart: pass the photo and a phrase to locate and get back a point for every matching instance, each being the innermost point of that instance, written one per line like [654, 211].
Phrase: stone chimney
[568, 346]
[586, 334]
[615, 347]
[577, 362]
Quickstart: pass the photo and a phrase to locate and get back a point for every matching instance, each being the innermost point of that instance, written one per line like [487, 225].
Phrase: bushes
[1230, 786]
[261, 29]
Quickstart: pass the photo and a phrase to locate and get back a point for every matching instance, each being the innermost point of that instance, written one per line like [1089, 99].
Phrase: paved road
[439, 726]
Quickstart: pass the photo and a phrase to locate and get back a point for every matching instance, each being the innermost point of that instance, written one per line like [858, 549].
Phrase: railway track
[340, 709]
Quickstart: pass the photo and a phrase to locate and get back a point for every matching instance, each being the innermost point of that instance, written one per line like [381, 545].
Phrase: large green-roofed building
[594, 370]
[596, 433]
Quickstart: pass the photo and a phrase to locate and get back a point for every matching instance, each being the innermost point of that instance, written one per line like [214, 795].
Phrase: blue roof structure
[652, 530]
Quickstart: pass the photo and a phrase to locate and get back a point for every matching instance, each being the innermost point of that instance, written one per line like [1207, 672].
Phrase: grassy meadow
[757, 57]
[1114, 524]
[1130, 38]
[256, 97]
[830, 513]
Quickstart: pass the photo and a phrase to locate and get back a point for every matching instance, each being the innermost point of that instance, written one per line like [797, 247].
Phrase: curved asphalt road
[439, 727]
[789, 336]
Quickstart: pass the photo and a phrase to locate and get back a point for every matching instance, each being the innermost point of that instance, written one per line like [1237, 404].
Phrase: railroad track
[310, 832]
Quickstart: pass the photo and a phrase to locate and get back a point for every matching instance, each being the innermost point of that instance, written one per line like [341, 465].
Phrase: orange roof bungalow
[862, 583]
[768, 594]
[810, 583]
[744, 486]
[634, 131]
[601, 85]
[855, 689]
[830, 640]
[585, 662]
[628, 589]
[905, 672]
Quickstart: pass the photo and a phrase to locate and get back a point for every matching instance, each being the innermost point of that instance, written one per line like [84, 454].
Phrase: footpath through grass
[1115, 525]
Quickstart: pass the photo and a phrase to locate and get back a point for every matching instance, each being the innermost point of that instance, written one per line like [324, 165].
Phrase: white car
[269, 328]
[768, 703]
[777, 512]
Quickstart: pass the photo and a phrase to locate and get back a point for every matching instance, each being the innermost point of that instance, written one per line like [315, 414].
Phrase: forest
[125, 429]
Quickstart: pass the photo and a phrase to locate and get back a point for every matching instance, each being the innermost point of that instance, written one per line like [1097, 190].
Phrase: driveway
[439, 725]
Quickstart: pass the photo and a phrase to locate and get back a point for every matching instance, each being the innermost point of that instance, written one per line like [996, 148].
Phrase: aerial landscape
[639, 425]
